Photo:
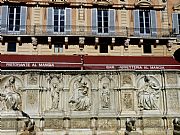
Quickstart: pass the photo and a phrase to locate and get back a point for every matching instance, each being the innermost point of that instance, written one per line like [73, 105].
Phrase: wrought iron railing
[47, 30]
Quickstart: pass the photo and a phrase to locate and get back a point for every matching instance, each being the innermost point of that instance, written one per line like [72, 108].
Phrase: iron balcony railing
[47, 30]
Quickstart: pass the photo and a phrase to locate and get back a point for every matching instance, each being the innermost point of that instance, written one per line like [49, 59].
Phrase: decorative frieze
[96, 101]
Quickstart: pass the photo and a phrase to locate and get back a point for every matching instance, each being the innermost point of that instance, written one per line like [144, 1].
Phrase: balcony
[86, 31]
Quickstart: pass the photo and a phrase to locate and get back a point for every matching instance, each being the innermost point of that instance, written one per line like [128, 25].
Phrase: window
[104, 48]
[147, 48]
[58, 48]
[11, 47]
[176, 23]
[14, 18]
[102, 21]
[144, 20]
[59, 20]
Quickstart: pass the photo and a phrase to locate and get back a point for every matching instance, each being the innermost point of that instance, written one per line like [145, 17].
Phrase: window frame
[144, 30]
[59, 20]
[11, 49]
[147, 47]
[58, 48]
[14, 25]
[103, 21]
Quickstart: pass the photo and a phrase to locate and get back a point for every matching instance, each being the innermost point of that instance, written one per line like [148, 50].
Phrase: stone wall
[90, 102]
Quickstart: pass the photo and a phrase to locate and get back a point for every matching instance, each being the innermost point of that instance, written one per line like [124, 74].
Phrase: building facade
[89, 67]
[123, 28]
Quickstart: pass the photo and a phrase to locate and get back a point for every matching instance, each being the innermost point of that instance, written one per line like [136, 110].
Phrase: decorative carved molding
[103, 2]
[176, 7]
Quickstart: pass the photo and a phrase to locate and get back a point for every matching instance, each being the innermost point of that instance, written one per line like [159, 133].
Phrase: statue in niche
[130, 125]
[81, 101]
[10, 98]
[176, 124]
[105, 96]
[148, 95]
[55, 96]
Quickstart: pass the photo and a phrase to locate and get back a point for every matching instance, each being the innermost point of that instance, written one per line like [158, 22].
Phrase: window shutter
[68, 20]
[175, 23]
[23, 20]
[136, 22]
[4, 19]
[111, 21]
[50, 20]
[94, 20]
[153, 23]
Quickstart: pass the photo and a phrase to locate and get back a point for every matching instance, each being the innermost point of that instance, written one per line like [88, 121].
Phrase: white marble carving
[148, 94]
[105, 96]
[9, 96]
[55, 96]
[55, 88]
[80, 100]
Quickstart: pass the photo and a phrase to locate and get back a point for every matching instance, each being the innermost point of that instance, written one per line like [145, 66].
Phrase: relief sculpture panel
[65, 102]
[127, 101]
[148, 94]
[10, 97]
[172, 101]
[80, 98]
[54, 92]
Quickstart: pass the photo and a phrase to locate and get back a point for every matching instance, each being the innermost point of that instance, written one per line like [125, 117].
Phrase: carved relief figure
[127, 81]
[80, 99]
[128, 100]
[130, 125]
[33, 79]
[105, 96]
[176, 123]
[55, 96]
[11, 98]
[148, 95]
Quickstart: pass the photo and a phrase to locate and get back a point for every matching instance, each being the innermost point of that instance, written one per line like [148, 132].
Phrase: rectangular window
[102, 17]
[147, 48]
[104, 48]
[14, 18]
[11, 47]
[144, 19]
[58, 48]
[59, 20]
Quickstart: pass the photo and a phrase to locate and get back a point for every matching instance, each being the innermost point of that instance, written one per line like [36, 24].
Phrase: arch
[143, 3]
